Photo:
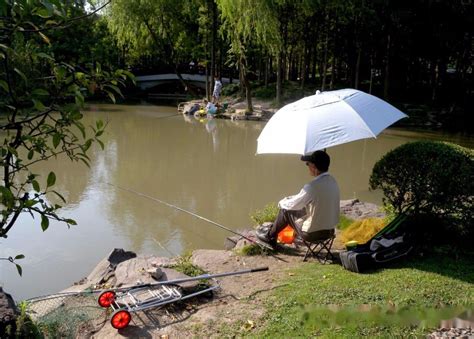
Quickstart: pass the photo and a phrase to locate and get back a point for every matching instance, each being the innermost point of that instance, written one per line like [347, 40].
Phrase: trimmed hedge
[429, 178]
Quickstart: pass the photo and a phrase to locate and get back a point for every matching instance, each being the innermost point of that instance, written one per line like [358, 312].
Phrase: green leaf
[43, 12]
[115, 89]
[56, 139]
[30, 203]
[21, 74]
[30, 154]
[19, 269]
[51, 179]
[40, 92]
[85, 162]
[60, 196]
[111, 96]
[4, 85]
[7, 195]
[44, 222]
[19, 256]
[100, 143]
[71, 221]
[36, 186]
[45, 38]
[44, 56]
[38, 105]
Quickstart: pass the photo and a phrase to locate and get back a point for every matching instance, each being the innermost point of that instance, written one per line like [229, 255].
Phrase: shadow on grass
[445, 263]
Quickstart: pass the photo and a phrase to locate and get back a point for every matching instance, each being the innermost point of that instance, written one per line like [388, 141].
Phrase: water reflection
[208, 167]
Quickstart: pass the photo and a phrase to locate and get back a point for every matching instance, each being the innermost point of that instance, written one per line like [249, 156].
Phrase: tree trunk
[357, 68]
[434, 79]
[386, 85]
[246, 82]
[267, 69]
[371, 74]
[208, 97]
[325, 63]
[213, 41]
[279, 82]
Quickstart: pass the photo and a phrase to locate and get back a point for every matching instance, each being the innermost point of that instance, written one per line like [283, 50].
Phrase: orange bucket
[286, 235]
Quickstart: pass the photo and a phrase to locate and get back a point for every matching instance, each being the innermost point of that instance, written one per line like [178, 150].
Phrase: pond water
[207, 167]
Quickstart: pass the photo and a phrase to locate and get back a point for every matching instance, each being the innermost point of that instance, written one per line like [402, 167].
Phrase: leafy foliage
[432, 178]
[40, 102]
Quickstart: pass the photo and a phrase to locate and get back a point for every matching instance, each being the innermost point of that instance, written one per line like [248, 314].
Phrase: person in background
[314, 211]
[217, 90]
[211, 109]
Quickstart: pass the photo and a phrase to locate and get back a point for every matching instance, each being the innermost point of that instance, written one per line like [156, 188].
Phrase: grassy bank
[404, 300]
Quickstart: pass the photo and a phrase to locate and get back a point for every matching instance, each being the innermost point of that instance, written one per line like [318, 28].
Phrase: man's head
[319, 159]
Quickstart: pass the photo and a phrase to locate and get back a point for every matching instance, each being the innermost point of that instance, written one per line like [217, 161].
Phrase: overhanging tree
[40, 102]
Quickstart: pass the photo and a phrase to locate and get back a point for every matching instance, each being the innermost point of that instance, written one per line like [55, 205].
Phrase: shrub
[362, 230]
[429, 178]
[265, 92]
[230, 89]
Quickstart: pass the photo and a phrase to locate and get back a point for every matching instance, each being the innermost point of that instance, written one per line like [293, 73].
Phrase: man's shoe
[265, 240]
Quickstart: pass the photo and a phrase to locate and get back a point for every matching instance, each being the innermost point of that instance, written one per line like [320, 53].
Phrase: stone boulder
[356, 210]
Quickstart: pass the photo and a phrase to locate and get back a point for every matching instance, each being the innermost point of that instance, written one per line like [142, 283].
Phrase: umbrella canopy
[326, 119]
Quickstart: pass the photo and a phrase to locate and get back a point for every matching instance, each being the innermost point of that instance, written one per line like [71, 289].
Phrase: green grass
[267, 214]
[185, 265]
[326, 299]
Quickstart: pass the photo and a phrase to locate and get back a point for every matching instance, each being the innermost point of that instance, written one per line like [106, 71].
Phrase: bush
[230, 89]
[265, 92]
[429, 178]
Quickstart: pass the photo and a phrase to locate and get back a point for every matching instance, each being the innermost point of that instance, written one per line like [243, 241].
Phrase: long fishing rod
[194, 215]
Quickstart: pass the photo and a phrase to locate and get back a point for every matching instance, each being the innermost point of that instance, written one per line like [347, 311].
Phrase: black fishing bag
[393, 242]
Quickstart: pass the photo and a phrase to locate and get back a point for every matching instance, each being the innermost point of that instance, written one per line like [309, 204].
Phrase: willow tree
[247, 22]
[150, 26]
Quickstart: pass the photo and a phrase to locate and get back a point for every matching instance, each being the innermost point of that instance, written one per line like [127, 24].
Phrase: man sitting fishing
[314, 211]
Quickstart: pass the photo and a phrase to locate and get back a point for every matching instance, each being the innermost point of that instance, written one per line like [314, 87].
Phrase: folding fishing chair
[316, 243]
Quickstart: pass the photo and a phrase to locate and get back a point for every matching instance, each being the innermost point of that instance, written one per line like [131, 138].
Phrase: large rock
[142, 270]
[106, 267]
[8, 312]
[355, 209]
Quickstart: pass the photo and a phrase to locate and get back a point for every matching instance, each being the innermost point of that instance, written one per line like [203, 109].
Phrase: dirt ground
[240, 299]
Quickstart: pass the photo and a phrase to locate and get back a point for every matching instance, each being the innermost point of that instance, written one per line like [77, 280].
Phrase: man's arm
[296, 202]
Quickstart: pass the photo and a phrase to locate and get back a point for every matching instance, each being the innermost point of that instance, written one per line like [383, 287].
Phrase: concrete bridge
[199, 80]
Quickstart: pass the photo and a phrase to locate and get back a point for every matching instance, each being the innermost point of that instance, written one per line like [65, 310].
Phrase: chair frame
[314, 248]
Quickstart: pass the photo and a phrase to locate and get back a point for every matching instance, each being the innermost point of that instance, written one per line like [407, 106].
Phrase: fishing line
[194, 215]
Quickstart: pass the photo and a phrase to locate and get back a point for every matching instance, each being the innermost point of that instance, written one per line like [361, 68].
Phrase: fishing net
[66, 315]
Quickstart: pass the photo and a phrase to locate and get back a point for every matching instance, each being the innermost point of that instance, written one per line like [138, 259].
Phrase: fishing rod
[268, 247]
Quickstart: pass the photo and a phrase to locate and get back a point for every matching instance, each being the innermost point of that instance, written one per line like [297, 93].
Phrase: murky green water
[209, 168]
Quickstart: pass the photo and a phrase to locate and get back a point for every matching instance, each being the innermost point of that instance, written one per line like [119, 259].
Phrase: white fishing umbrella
[326, 119]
